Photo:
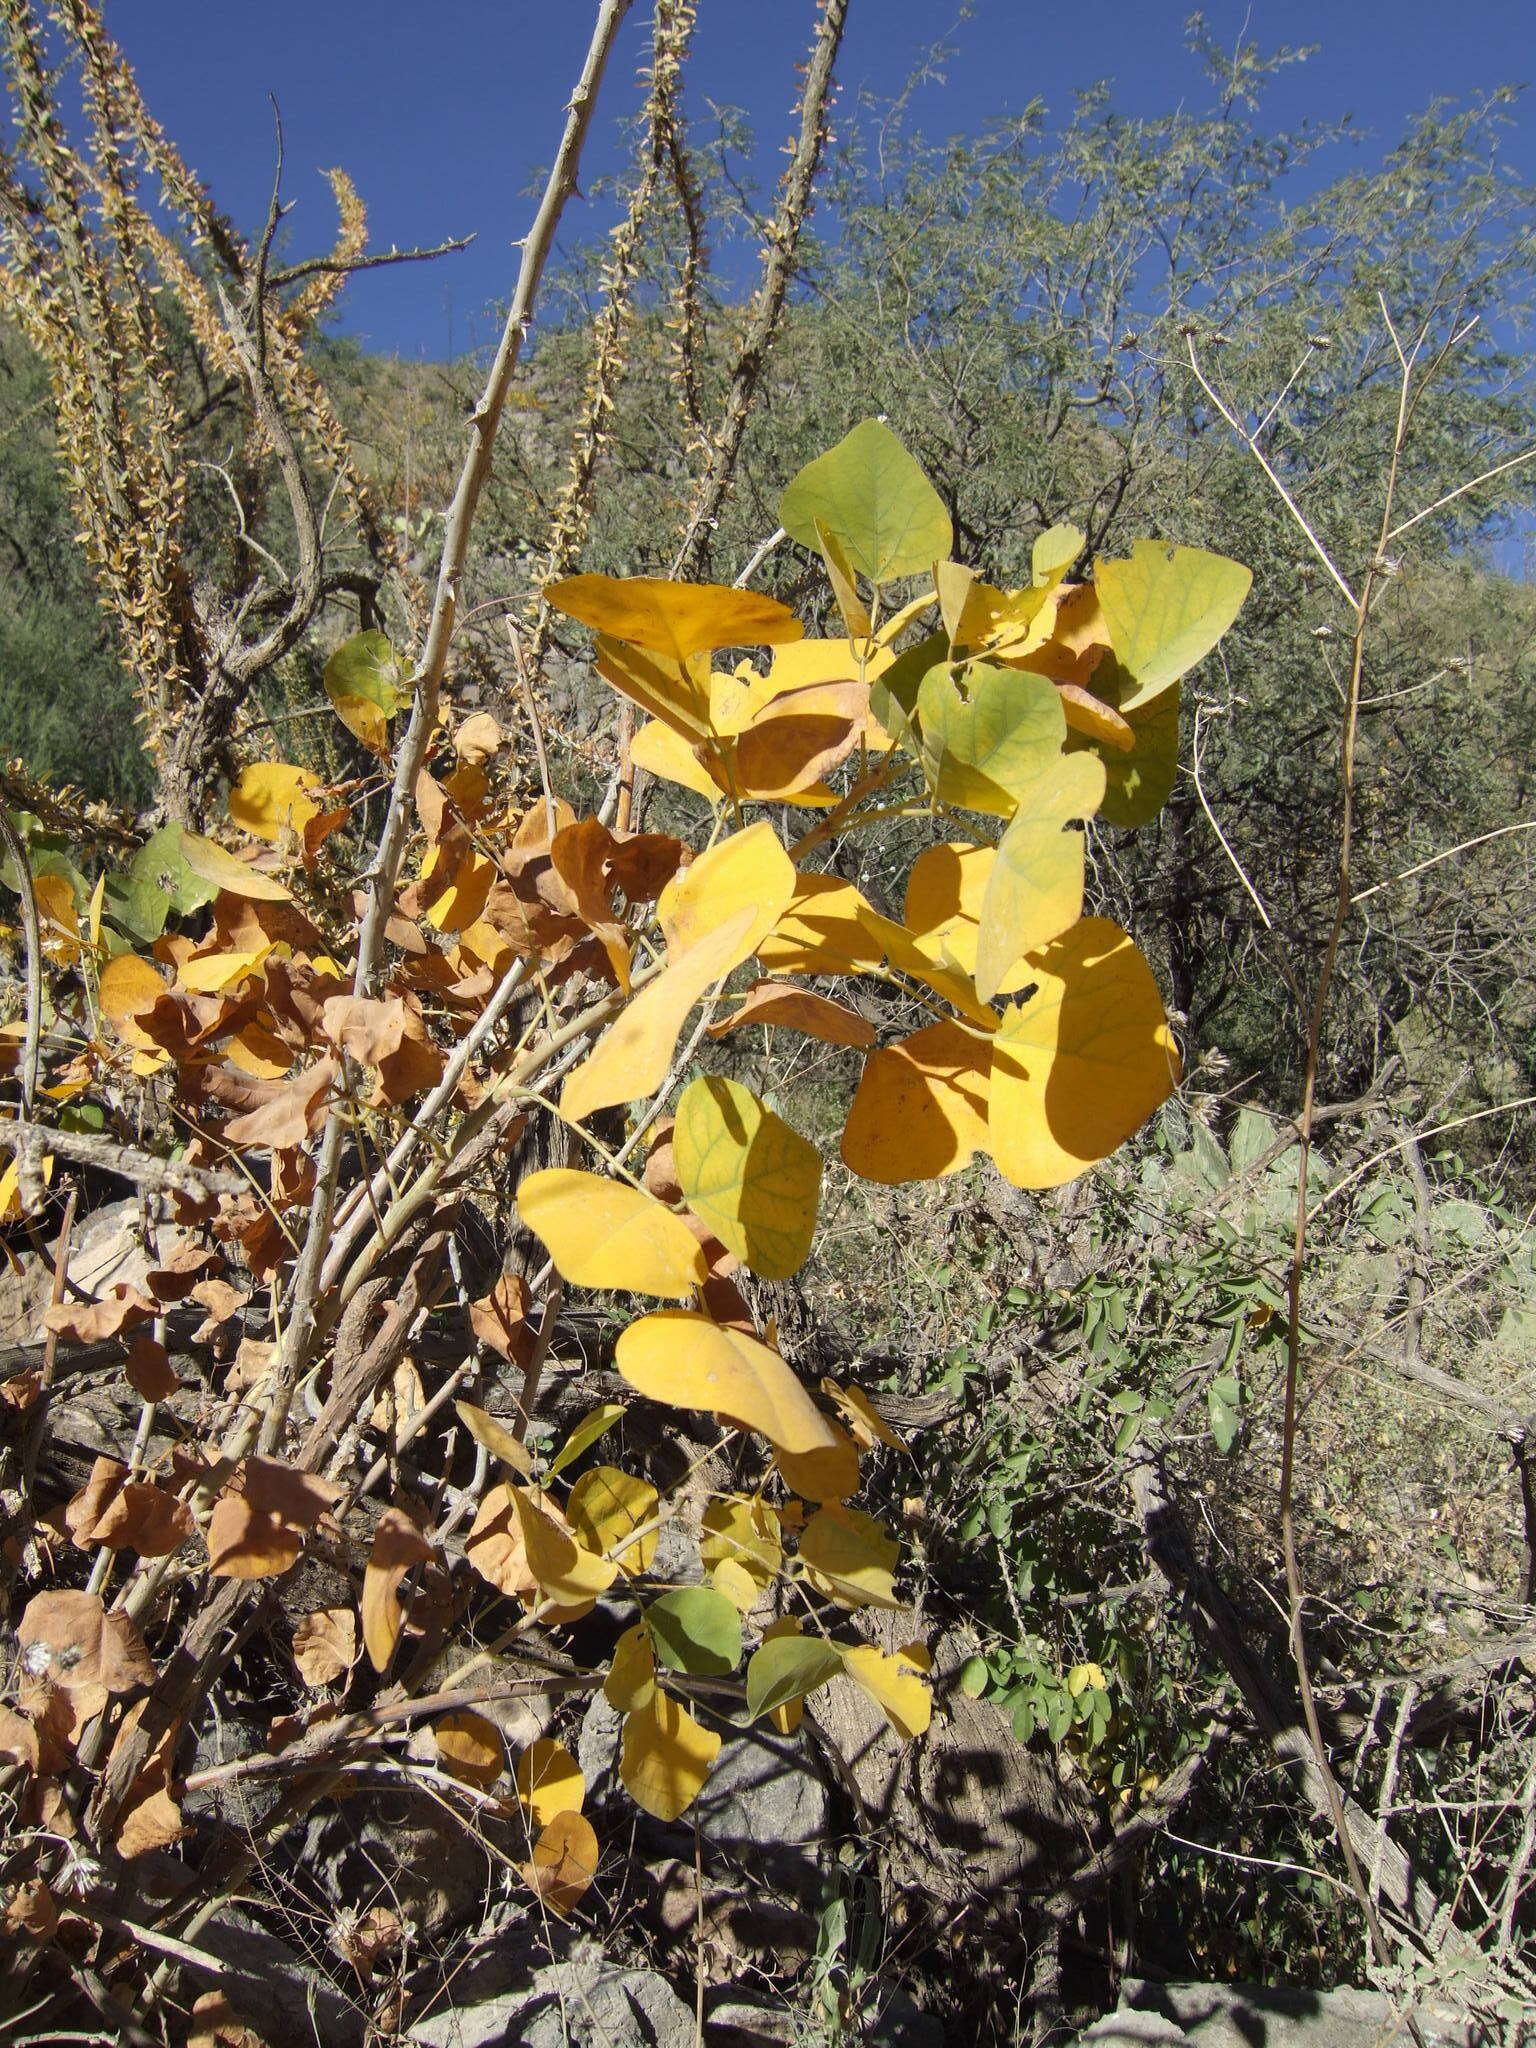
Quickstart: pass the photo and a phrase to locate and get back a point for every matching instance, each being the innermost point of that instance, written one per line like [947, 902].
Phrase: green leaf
[366, 681]
[745, 1173]
[893, 696]
[855, 613]
[585, 1434]
[871, 495]
[987, 737]
[787, 1668]
[974, 1677]
[697, 1631]
[1139, 782]
[159, 881]
[1226, 1419]
[1166, 608]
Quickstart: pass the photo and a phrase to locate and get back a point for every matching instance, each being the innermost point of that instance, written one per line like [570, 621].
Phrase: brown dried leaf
[478, 738]
[325, 1645]
[244, 1543]
[126, 1514]
[366, 1027]
[221, 1301]
[148, 1366]
[87, 1322]
[21, 1389]
[257, 1526]
[175, 1280]
[216, 2024]
[30, 1912]
[495, 1547]
[18, 1739]
[800, 1009]
[293, 1113]
[502, 1321]
[149, 1817]
[69, 1638]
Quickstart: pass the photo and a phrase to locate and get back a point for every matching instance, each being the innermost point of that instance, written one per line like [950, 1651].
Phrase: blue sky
[442, 114]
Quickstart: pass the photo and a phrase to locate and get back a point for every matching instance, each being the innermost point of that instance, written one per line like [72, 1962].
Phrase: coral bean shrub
[544, 967]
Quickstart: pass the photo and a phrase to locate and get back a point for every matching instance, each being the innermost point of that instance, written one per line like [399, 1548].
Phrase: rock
[398, 1848]
[291, 2000]
[582, 2000]
[736, 1924]
[967, 1810]
[1127, 2029]
[744, 2020]
[1237, 2015]
[764, 1804]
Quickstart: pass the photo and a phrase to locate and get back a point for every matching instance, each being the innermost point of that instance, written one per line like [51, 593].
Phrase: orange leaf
[564, 1862]
[798, 1009]
[397, 1545]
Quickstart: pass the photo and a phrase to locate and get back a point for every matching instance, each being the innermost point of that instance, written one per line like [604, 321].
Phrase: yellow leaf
[921, 1107]
[1054, 552]
[945, 892]
[631, 1680]
[742, 1530]
[675, 692]
[750, 870]
[10, 1187]
[1003, 622]
[1081, 1676]
[735, 698]
[606, 1507]
[665, 1756]
[205, 974]
[271, 800]
[460, 905]
[825, 661]
[685, 1359]
[497, 1439]
[565, 1571]
[737, 1584]
[631, 1058]
[822, 930]
[745, 1173]
[904, 952]
[828, 1473]
[905, 1698]
[676, 619]
[841, 574]
[867, 1424]
[850, 1558]
[603, 1233]
[210, 863]
[128, 987]
[661, 751]
[549, 1780]
[1035, 890]
[1082, 1062]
